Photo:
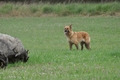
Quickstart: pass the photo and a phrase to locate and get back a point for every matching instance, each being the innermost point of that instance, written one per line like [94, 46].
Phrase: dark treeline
[57, 1]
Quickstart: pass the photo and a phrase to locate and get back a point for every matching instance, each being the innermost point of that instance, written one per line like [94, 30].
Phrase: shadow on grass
[115, 54]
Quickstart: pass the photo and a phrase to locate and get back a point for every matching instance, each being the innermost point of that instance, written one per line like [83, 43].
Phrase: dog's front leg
[70, 44]
[76, 46]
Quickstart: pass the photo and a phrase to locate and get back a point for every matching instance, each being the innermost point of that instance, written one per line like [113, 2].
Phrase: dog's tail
[87, 42]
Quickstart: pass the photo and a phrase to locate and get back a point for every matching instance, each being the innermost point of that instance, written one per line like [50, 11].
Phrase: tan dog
[77, 37]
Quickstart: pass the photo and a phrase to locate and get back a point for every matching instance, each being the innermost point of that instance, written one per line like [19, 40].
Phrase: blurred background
[58, 1]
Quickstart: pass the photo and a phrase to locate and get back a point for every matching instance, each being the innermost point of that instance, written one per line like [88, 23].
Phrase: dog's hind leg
[82, 45]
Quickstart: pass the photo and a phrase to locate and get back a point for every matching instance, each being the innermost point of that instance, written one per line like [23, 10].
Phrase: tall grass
[6, 8]
[59, 9]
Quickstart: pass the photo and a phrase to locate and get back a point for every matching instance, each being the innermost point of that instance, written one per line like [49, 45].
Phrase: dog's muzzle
[66, 31]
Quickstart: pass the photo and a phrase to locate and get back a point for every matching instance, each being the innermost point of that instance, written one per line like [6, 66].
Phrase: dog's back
[83, 36]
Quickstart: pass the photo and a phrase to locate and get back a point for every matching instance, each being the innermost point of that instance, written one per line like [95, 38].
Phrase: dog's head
[68, 29]
[23, 56]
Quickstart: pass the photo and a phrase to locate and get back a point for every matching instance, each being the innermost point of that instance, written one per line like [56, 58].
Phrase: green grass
[18, 9]
[50, 57]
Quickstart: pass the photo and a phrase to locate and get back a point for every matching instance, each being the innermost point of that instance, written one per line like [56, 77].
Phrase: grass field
[50, 57]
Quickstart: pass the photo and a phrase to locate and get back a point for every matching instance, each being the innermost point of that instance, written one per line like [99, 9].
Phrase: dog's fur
[3, 61]
[13, 43]
[11, 50]
[75, 38]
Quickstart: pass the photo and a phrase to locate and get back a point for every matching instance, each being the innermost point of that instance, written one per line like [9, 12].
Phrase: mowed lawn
[50, 57]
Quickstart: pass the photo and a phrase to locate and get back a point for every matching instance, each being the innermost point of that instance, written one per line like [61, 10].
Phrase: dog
[75, 38]
[3, 61]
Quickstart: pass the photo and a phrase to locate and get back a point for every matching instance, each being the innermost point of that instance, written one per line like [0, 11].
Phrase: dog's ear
[71, 26]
